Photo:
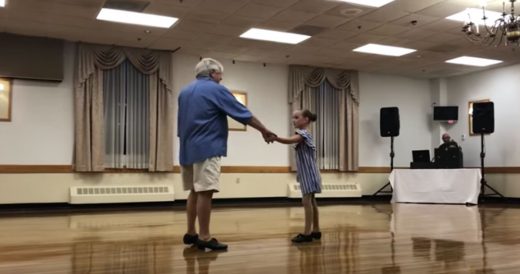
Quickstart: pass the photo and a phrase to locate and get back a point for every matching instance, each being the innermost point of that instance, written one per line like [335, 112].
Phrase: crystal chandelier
[504, 30]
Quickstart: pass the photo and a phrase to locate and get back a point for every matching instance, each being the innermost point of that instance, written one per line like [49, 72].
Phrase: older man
[447, 143]
[204, 106]
[449, 154]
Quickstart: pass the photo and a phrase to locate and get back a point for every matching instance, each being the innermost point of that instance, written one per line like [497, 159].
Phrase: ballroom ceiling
[212, 28]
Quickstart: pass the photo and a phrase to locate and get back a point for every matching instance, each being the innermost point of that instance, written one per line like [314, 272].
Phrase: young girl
[308, 174]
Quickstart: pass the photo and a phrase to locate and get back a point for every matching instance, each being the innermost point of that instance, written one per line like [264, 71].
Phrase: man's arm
[267, 134]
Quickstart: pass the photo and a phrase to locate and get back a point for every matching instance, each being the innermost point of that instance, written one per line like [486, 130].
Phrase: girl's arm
[296, 138]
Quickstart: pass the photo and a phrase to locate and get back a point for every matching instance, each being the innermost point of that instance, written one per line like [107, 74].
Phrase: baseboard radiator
[120, 194]
[345, 190]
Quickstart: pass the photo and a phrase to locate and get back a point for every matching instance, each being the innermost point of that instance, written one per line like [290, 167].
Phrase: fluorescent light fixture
[2, 3]
[370, 3]
[384, 50]
[475, 15]
[274, 36]
[136, 18]
[2, 87]
[473, 61]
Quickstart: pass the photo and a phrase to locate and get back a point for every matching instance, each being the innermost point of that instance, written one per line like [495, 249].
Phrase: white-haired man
[204, 105]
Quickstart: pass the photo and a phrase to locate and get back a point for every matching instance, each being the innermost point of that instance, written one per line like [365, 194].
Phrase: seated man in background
[447, 143]
[449, 154]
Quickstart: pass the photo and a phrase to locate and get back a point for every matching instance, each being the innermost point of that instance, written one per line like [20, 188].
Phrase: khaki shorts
[202, 176]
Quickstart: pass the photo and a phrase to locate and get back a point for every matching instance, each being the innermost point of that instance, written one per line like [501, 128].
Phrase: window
[126, 114]
[325, 101]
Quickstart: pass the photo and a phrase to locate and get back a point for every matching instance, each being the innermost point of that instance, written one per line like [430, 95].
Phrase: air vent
[129, 5]
[120, 194]
[328, 190]
[351, 12]
[308, 30]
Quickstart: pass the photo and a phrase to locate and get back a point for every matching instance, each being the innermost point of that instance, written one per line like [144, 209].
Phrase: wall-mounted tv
[446, 113]
[31, 58]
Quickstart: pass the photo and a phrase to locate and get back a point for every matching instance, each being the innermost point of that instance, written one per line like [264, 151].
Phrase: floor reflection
[385, 238]
[198, 261]
[440, 235]
[135, 256]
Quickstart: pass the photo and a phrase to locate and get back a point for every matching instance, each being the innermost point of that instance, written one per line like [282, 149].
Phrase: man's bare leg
[204, 213]
[191, 211]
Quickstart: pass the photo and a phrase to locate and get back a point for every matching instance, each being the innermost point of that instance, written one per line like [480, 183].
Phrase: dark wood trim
[502, 170]
[126, 170]
[255, 169]
[375, 169]
[176, 169]
[225, 169]
[36, 169]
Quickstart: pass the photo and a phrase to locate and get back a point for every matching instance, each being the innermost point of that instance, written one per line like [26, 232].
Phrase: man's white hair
[208, 65]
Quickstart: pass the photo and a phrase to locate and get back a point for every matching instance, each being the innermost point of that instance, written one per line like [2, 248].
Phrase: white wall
[41, 129]
[414, 99]
[500, 86]
[266, 89]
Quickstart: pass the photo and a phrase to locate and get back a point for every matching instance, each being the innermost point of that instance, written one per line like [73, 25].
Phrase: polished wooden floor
[377, 238]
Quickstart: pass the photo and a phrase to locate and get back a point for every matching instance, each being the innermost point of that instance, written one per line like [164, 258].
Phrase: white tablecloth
[448, 186]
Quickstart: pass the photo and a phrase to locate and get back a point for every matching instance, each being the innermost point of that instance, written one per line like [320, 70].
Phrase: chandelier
[504, 29]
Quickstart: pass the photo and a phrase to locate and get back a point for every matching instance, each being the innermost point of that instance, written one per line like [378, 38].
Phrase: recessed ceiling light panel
[473, 61]
[369, 3]
[136, 18]
[384, 50]
[274, 36]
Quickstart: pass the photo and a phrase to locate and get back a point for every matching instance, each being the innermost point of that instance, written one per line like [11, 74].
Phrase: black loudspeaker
[483, 117]
[389, 122]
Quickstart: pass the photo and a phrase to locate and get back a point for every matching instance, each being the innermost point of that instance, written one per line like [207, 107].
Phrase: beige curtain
[303, 78]
[91, 60]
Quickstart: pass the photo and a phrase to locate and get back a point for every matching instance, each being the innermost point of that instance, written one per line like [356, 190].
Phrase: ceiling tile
[318, 6]
[278, 25]
[414, 5]
[222, 6]
[445, 8]
[211, 28]
[294, 16]
[257, 11]
[386, 13]
[389, 29]
[336, 34]
[327, 21]
[241, 21]
[275, 3]
[415, 20]
[359, 25]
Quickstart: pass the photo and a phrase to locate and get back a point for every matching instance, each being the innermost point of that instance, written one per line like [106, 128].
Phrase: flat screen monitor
[421, 156]
[446, 113]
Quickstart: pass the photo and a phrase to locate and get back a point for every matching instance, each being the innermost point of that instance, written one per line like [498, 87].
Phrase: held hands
[269, 136]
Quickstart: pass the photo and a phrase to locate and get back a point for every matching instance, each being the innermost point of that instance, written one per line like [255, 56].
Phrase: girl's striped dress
[308, 174]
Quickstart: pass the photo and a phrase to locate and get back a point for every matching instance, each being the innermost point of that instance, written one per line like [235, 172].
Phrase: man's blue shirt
[202, 120]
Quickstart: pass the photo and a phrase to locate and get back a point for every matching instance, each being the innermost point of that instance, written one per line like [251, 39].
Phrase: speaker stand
[392, 154]
[483, 182]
